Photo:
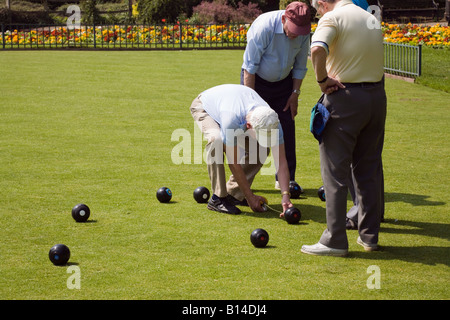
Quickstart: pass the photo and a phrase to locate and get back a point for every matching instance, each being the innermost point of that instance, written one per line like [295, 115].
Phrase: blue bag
[319, 118]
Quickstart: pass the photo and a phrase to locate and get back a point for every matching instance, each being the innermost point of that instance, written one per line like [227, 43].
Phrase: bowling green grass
[96, 127]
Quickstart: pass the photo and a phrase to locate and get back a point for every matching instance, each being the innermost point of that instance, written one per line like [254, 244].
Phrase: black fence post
[95, 41]
[181, 36]
[447, 11]
[3, 36]
[420, 60]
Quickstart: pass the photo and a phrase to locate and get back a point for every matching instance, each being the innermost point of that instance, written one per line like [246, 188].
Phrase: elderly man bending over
[233, 118]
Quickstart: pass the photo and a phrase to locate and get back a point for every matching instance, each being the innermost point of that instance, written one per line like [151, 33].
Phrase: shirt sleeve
[324, 34]
[299, 69]
[258, 39]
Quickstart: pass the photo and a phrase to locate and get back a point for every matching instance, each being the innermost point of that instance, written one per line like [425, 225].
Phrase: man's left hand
[292, 104]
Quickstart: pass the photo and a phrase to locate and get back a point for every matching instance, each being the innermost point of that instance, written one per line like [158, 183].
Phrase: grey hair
[315, 3]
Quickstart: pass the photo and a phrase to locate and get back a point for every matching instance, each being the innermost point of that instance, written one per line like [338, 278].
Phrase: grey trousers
[353, 211]
[353, 140]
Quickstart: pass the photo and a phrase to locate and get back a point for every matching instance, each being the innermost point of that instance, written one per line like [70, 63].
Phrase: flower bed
[430, 36]
[223, 35]
[128, 36]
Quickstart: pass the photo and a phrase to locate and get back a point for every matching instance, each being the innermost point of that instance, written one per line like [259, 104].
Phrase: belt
[362, 84]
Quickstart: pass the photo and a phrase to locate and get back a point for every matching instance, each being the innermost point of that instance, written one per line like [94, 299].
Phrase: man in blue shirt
[275, 65]
[233, 117]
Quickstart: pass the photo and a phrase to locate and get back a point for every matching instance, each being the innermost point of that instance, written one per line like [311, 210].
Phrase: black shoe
[351, 225]
[233, 201]
[221, 205]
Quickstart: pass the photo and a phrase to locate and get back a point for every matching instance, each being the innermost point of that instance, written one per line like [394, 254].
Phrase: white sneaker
[319, 249]
[277, 185]
[367, 246]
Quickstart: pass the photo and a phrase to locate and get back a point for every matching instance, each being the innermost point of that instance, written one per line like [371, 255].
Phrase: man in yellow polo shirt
[347, 55]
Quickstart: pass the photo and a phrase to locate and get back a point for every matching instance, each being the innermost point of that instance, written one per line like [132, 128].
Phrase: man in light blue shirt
[231, 117]
[272, 54]
[275, 65]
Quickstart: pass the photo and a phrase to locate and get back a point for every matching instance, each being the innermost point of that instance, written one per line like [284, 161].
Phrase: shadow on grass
[306, 192]
[438, 230]
[308, 212]
[88, 221]
[413, 199]
[317, 213]
[68, 264]
[267, 247]
[429, 255]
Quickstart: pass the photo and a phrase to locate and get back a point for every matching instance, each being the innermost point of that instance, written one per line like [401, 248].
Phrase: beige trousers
[215, 159]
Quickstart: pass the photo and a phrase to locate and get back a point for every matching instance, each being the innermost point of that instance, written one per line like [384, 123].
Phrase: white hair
[315, 3]
[263, 117]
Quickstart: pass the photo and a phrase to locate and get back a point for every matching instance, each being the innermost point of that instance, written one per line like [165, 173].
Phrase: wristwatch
[296, 91]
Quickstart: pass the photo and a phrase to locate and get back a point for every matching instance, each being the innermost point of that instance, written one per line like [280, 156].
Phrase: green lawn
[435, 68]
[95, 127]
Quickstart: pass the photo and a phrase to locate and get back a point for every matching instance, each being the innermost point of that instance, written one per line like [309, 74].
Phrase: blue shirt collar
[279, 24]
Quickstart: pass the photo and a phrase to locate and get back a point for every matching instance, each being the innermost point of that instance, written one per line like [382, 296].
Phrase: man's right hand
[255, 202]
[331, 85]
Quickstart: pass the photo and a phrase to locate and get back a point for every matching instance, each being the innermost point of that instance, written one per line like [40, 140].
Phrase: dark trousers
[276, 94]
[353, 140]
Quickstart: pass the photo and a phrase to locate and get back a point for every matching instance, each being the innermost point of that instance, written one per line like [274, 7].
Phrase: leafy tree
[154, 11]
[91, 14]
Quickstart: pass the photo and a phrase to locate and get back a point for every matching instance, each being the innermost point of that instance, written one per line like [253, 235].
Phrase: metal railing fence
[162, 36]
[403, 60]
